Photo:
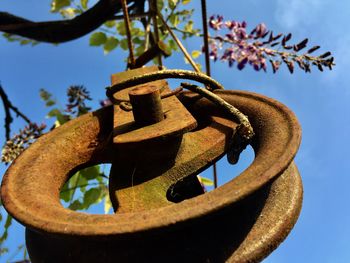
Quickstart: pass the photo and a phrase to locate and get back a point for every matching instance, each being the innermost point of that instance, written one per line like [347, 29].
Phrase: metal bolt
[146, 105]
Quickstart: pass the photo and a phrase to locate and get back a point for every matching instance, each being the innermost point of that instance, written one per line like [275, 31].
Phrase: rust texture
[241, 221]
[143, 156]
[146, 105]
[128, 135]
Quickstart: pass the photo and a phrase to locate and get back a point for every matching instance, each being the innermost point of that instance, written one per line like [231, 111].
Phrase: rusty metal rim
[40, 207]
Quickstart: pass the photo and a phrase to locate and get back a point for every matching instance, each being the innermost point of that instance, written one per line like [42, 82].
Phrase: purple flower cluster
[19, 142]
[257, 47]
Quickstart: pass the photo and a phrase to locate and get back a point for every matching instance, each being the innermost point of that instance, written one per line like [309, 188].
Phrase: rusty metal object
[146, 105]
[128, 135]
[141, 176]
[245, 232]
[244, 132]
[245, 219]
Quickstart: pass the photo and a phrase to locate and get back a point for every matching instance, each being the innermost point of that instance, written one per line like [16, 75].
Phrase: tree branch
[8, 117]
[64, 30]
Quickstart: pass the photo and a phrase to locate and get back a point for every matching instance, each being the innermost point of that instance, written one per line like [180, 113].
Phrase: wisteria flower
[256, 48]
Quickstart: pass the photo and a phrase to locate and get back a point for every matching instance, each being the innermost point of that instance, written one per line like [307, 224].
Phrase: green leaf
[45, 95]
[57, 5]
[137, 32]
[68, 189]
[121, 28]
[189, 26]
[84, 4]
[174, 19]
[107, 204]
[76, 205]
[110, 44]
[98, 39]
[24, 42]
[185, 2]
[172, 3]
[69, 12]
[6, 227]
[205, 181]
[172, 44]
[110, 23]
[50, 103]
[160, 5]
[77, 181]
[66, 194]
[196, 53]
[53, 113]
[61, 118]
[21, 40]
[91, 197]
[124, 44]
[90, 173]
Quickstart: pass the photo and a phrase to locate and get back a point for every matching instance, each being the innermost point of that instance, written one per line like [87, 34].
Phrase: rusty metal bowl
[243, 220]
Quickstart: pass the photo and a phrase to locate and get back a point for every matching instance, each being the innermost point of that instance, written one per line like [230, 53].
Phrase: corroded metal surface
[128, 135]
[244, 232]
[140, 179]
[30, 192]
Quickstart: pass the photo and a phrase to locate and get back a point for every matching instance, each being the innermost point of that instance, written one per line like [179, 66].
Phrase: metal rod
[205, 36]
[207, 65]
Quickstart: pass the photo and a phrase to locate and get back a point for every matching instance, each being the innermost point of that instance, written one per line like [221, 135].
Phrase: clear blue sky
[320, 101]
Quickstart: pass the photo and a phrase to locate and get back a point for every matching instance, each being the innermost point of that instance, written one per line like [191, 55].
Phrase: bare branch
[8, 117]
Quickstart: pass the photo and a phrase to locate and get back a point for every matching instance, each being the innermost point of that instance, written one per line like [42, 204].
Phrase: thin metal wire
[128, 32]
[205, 36]
[207, 65]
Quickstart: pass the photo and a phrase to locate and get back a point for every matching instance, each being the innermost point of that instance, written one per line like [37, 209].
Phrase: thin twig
[172, 11]
[244, 132]
[163, 74]
[178, 42]
[154, 12]
[128, 32]
[8, 117]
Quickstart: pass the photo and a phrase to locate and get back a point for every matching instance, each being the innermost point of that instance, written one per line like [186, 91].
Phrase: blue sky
[319, 100]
